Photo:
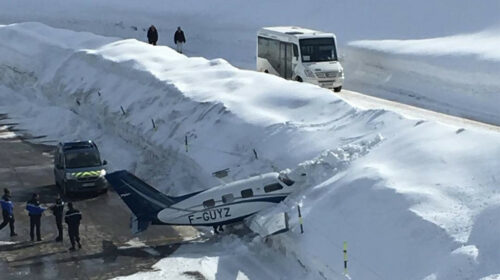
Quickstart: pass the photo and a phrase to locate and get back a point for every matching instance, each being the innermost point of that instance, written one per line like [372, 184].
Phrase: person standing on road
[72, 218]
[7, 212]
[35, 212]
[58, 211]
[179, 39]
[152, 35]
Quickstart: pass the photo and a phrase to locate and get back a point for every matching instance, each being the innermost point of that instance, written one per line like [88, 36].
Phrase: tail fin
[144, 200]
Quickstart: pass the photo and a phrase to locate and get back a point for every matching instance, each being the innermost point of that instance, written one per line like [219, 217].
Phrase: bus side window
[209, 203]
[228, 198]
[273, 187]
[246, 193]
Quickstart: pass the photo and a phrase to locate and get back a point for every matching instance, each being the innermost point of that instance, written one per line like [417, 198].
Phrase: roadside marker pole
[186, 143]
[300, 220]
[255, 154]
[154, 125]
[345, 258]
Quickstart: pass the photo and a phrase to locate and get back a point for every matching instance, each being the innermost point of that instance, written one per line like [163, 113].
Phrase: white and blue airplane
[220, 205]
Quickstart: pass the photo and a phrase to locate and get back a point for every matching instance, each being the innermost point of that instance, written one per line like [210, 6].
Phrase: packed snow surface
[413, 199]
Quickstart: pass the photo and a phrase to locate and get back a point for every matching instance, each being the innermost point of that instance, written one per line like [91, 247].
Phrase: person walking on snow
[35, 212]
[7, 212]
[152, 35]
[58, 211]
[72, 218]
[179, 39]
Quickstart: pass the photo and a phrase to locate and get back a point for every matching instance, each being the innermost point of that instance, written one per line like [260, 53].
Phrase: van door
[58, 167]
[286, 54]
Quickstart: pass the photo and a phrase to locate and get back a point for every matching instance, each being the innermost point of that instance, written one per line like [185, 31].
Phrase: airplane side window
[209, 203]
[246, 193]
[272, 187]
[228, 198]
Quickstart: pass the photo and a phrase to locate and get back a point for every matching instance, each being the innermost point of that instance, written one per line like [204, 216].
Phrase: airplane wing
[269, 224]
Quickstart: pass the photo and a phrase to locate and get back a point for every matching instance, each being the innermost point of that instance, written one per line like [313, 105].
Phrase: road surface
[27, 168]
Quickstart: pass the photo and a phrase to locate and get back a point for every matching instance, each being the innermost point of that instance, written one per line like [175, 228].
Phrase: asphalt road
[27, 168]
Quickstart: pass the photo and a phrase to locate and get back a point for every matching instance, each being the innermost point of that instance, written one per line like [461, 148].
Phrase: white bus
[300, 54]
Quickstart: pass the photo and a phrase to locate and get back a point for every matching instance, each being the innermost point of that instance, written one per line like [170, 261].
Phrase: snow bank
[228, 258]
[220, 28]
[410, 197]
[454, 75]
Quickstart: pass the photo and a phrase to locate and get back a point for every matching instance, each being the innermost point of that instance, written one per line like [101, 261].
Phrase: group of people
[35, 211]
[179, 38]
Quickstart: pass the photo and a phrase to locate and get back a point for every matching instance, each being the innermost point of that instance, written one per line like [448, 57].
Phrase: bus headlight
[309, 73]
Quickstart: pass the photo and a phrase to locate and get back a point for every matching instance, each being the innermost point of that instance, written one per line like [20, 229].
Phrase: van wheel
[298, 79]
[337, 89]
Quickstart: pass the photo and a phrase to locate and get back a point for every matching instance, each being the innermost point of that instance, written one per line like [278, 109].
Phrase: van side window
[227, 198]
[209, 203]
[246, 193]
[273, 187]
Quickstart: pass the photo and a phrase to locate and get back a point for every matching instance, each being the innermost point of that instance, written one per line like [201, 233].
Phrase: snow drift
[413, 199]
[454, 74]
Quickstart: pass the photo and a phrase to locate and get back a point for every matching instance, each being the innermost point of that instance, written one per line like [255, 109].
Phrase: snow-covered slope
[220, 28]
[455, 74]
[413, 199]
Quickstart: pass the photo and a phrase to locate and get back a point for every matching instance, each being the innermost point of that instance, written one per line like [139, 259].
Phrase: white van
[300, 54]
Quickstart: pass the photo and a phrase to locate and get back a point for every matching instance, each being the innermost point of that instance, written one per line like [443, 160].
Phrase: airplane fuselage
[227, 203]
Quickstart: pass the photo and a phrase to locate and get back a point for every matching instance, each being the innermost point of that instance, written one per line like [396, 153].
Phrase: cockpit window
[273, 187]
[287, 181]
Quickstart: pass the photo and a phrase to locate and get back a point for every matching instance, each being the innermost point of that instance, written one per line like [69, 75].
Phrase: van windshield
[82, 158]
[318, 49]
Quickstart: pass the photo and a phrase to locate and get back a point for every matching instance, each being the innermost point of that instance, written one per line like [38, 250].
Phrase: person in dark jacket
[58, 211]
[179, 39]
[7, 212]
[35, 212]
[152, 35]
[72, 218]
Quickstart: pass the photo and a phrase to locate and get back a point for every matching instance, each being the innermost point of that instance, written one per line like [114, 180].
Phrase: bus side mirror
[104, 162]
[295, 59]
[342, 57]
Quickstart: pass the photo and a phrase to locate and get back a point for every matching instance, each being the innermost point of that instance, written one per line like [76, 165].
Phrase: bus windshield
[318, 49]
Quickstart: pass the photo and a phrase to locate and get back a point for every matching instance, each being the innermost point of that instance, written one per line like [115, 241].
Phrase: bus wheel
[337, 89]
[298, 79]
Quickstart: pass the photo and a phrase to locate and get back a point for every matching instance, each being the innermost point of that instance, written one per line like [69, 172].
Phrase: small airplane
[220, 205]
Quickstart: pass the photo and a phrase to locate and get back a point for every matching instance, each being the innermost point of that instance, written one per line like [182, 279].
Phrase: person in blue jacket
[35, 213]
[7, 212]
